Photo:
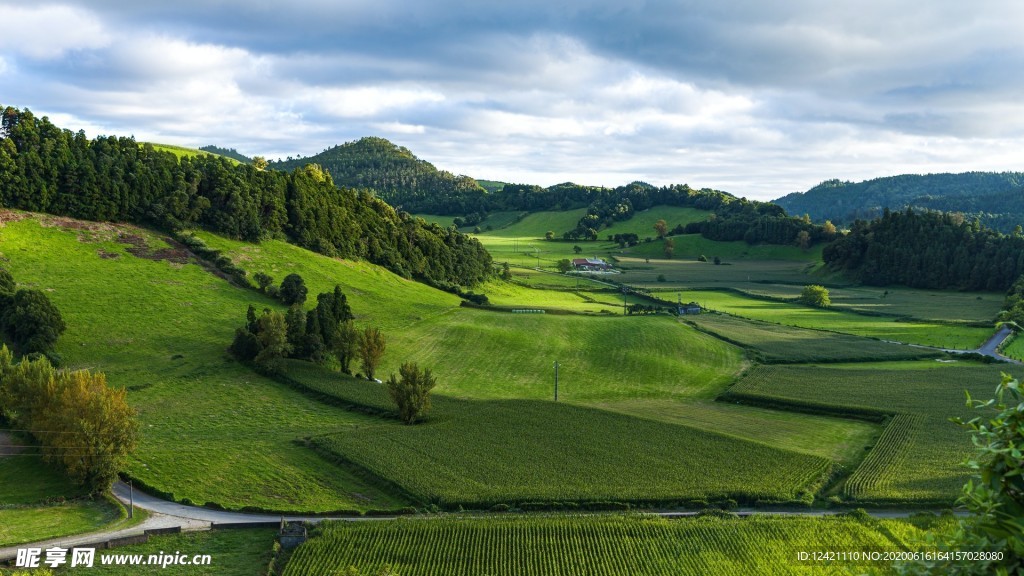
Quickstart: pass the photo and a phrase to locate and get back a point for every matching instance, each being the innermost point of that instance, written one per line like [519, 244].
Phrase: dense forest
[928, 250]
[46, 169]
[995, 199]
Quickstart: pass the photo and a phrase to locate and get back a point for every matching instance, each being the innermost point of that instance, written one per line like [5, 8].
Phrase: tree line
[928, 250]
[46, 169]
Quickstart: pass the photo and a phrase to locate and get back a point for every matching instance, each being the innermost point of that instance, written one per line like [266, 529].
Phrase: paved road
[991, 347]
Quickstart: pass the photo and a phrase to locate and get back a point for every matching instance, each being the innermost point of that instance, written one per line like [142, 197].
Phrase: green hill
[997, 198]
[396, 175]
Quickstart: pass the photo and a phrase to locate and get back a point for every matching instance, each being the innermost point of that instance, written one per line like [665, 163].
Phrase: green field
[930, 305]
[212, 430]
[245, 552]
[956, 336]
[481, 453]
[31, 524]
[1015, 349]
[183, 152]
[919, 456]
[691, 246]
[775, 344]
[606, 545]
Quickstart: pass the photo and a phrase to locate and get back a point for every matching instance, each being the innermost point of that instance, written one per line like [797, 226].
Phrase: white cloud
[47, 32]
[366, 101]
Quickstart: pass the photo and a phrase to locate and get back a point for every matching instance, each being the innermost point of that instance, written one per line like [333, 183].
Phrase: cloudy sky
[756, 97]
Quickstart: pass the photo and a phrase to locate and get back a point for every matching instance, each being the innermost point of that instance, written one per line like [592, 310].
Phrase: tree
[293, 290]
[670, 247]
[273, 339]
[260, 163]
[549, 235]
[717, 260]
[815, 295]
[829, 230]
[577, 249]
[564, 265]
[33, 323]
[661, 228]
[263, 280]
[803, 239]
[7, 284]
[411, 393]
[295, 320]
[345, 344]
[371, 349]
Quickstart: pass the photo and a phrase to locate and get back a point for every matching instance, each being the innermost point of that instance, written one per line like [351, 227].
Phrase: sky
[756, 97]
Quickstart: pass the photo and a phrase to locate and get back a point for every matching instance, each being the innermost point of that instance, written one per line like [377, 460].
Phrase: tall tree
[33, 323]
[293, 290]
[371, 349]
[273, 339]
[411, 392]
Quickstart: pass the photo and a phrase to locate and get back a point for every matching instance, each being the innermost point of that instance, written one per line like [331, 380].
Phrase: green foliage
[371, 349]
[84, 426]
[993, 197]
[564, 265]
[227, 153]
[608, 545]
[272, 335]
[7, 286]
[43, 168]
[32, 322]
[411, 393]
[927, 250]
[293, 290]
[815, 295]
[263, 280]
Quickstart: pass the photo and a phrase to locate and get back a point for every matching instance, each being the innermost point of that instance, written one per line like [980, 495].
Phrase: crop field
[931, 305]
[773, 343]
[919, 455]
[607, 545]
[212, 430]
[481, 453]
[912, 332]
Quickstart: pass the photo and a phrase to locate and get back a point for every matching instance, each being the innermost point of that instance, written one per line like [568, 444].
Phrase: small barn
[590, 264]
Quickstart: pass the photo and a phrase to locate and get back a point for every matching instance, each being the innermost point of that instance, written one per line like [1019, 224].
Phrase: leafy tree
[549, 235]
[273, 339]
[506, 272]
[32, 322]
[259, 163]
[295, 320]
[411, 393]
[345, 345]
[829, 230]
[803, 240]
[264, 280]
[371, 349]
[564, 265]
[7, 284]
[245, 346]
[670, 247]
[815, 295]
[293, 290]
[717, 260]
[661, 228]
[577, 249]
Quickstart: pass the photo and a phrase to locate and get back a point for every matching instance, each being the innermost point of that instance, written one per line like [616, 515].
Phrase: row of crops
[920, 454]
[600, 545]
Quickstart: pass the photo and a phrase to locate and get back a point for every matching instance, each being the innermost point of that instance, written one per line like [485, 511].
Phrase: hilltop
[995, 198]
[396, 175]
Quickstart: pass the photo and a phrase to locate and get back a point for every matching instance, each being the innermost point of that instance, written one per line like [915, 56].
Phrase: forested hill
[928, 250]
[995, 198]
[46, 169]
[397, 176]
[227, 153]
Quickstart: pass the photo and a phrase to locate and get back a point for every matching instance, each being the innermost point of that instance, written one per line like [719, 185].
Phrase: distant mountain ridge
[995, 198]
[396, 175]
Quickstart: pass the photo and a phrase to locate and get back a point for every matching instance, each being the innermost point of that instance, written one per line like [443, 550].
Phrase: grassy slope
[925, 464]
[232, 553]
[31, 524]
[1015, 349]
[182, 152]
[478, 354]
[547, 546]
[212, 430]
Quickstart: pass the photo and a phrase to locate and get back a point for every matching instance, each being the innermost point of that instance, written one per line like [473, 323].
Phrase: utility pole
[556, 380]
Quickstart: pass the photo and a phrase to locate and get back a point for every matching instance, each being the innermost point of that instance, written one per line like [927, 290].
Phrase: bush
[32, 322]
[815, 295]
